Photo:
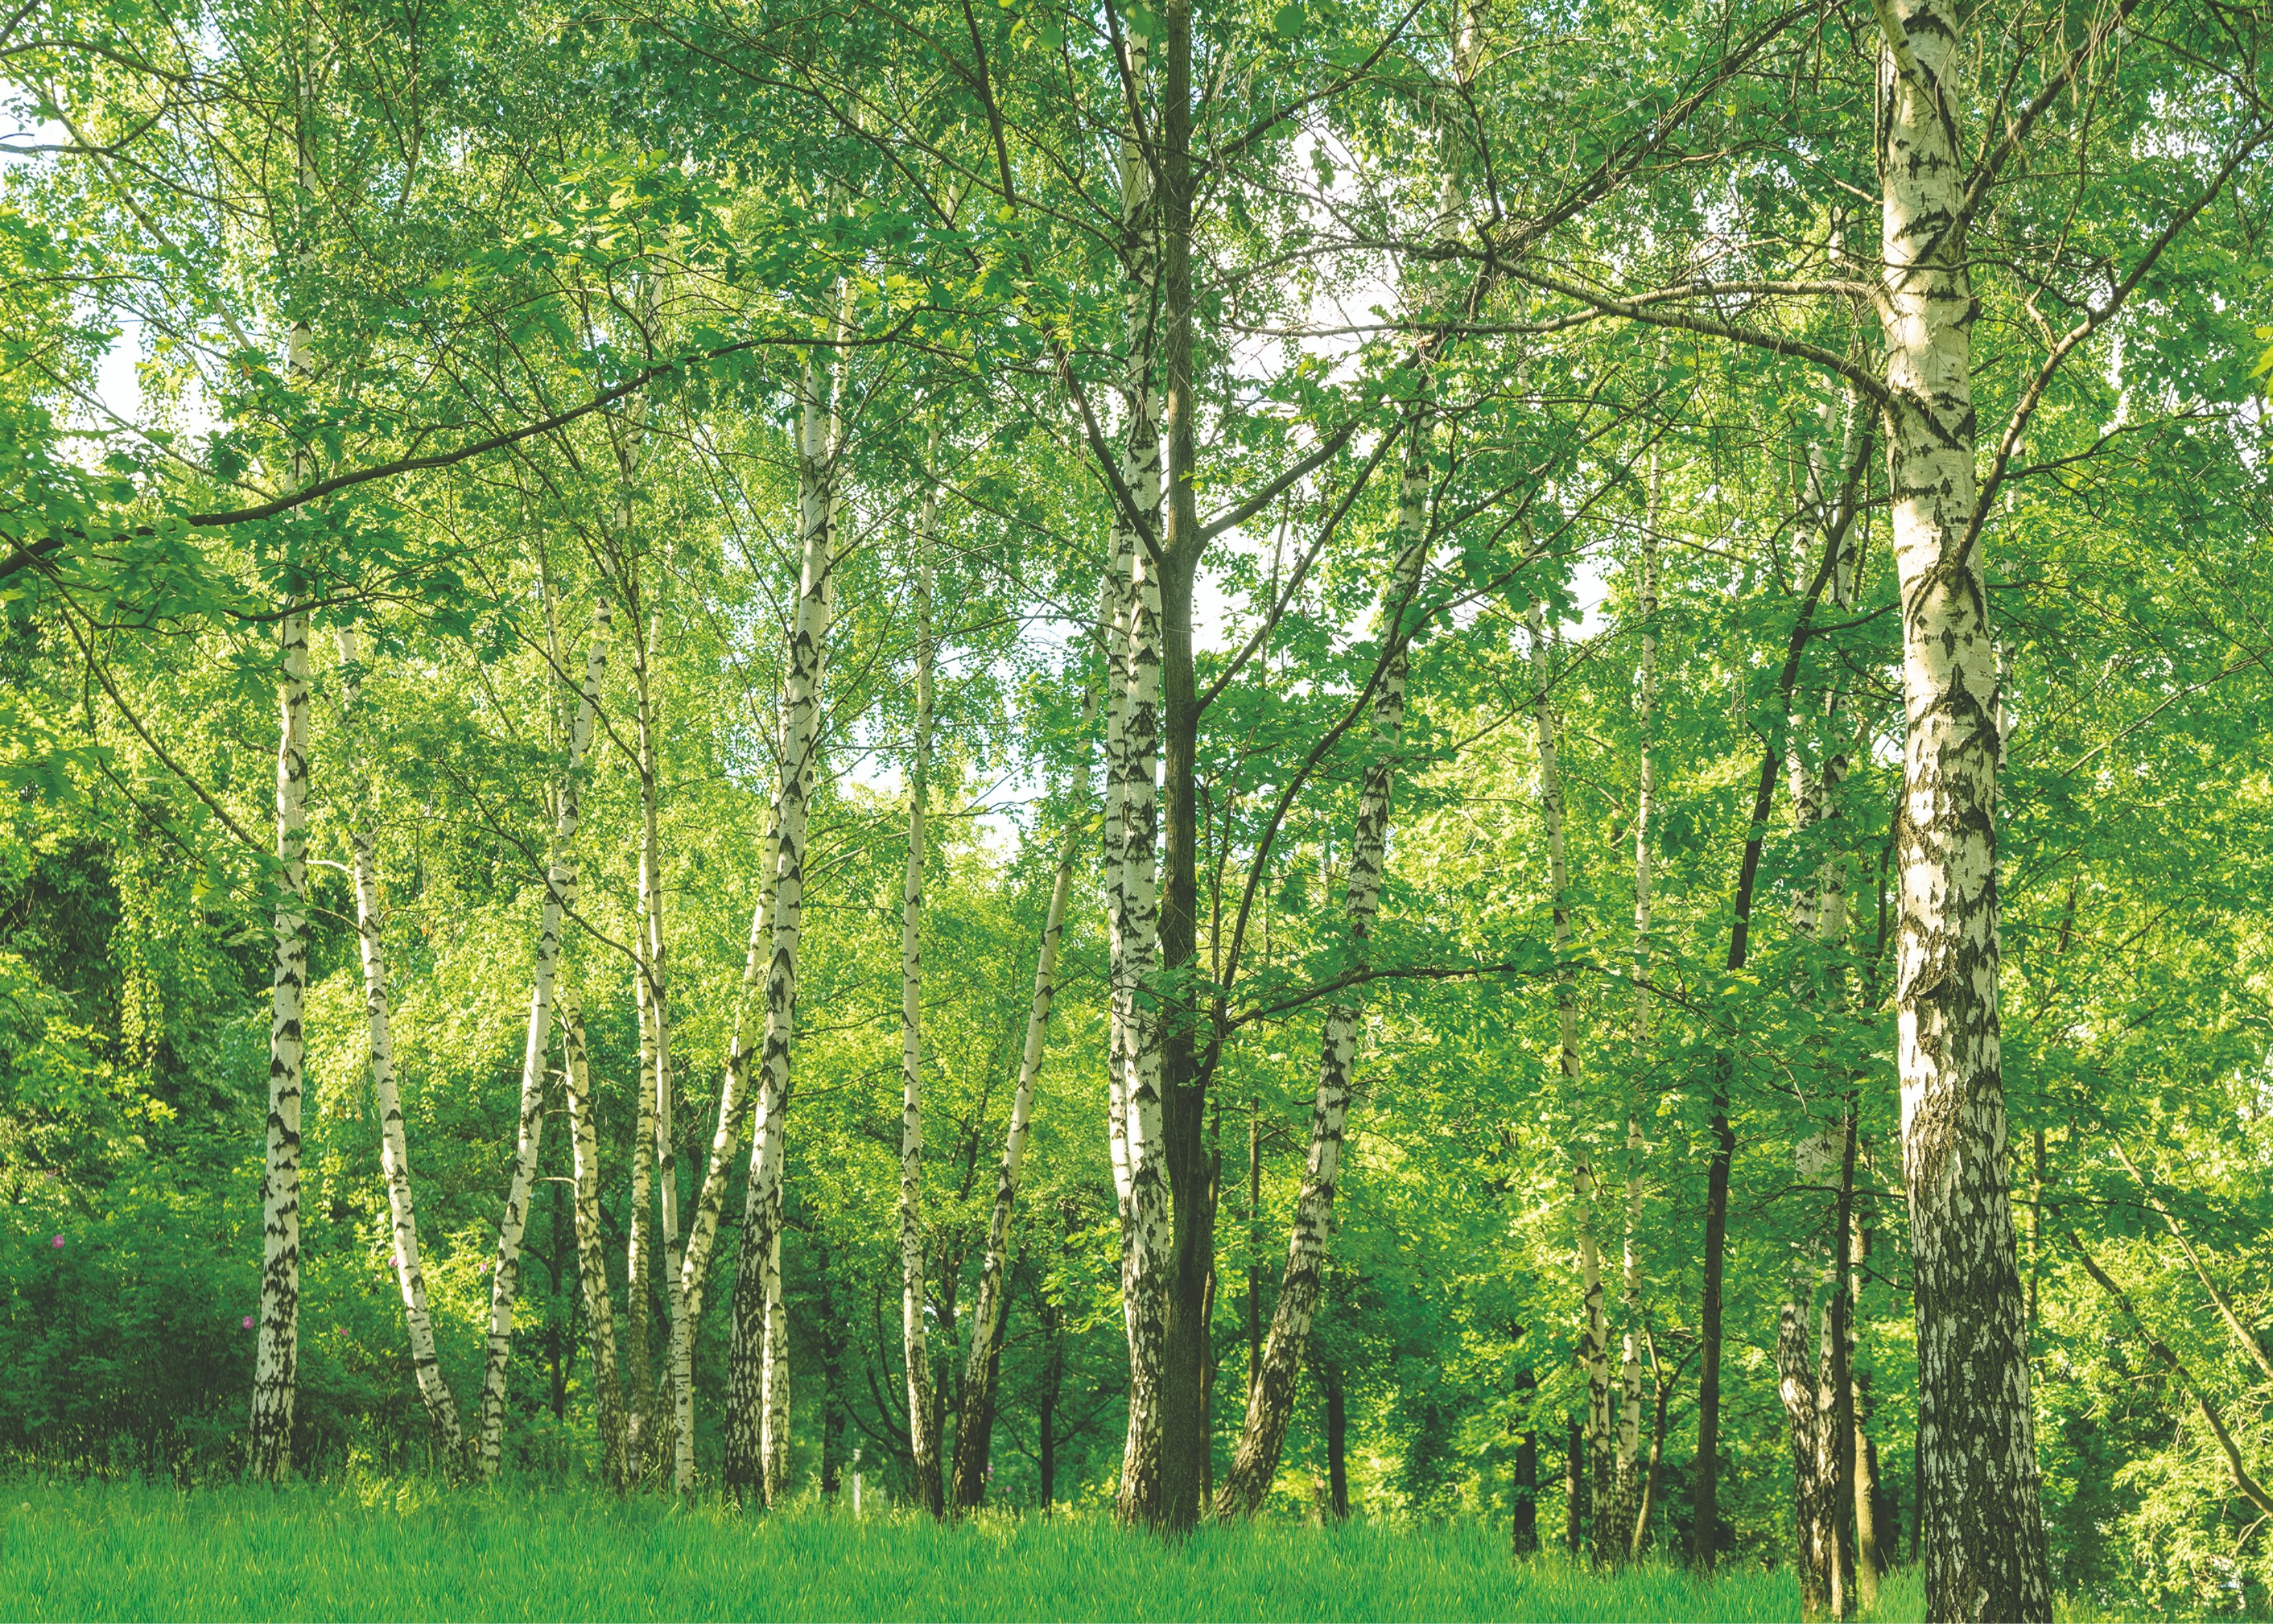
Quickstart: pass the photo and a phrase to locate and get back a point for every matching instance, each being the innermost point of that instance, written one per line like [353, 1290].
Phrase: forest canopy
[1441, 759]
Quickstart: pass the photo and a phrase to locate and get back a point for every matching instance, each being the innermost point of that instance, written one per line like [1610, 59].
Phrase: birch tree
[923, 1438]
[591, 1246]
[559, 897]
[395, 1158]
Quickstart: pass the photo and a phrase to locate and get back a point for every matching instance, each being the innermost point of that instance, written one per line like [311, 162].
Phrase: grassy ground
[376, 1550]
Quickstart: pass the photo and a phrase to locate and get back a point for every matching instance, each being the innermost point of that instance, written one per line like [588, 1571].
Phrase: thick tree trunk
[923, 1435]
[1985, 1552]
[1523, 1523]
[1271, 1396]
[277, 1363]
[591, 1247]
[559, 896]
[747, 1411]
[394, 1151]
[983, 1369]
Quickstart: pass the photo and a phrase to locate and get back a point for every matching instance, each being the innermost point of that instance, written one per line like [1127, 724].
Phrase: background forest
[739, 738]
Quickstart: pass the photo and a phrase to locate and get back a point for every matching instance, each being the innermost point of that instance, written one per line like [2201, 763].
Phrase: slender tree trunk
[591, 1247]
[1271, 1393]
[923, 1436]
[1523, 1524]
[1337, 1449]
[1574, 1488]
[1835, 1402]
[1622, 1539]
[394, 1151]
[1593, 1347]
[1795, 1385]
[654, 988]
[983, 1369]
[276, 1364]
[1985, 1552]
[1646, 1502]
[748, 1360]
[560, 895]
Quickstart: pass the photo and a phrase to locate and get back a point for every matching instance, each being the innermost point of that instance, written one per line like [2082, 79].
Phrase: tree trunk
[1272, 1394]
[1574, 1488]
[653, 986]
[1985, 1552]
[1626, 1488]
[923, 1434]
[1523, 1523]
[559, 896]
[983, 1369]
[776, 1443]
[591, 1248]
[394, 1151]
[1132, 888]
[277, 1363]
[1336, 1450]
[747, 1357]
[1593, 1347]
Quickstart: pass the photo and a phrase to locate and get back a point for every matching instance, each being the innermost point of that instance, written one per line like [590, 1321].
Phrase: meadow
[385, 1549]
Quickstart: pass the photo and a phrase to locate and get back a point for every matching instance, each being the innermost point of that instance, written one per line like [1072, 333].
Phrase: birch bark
[1271, 1396]
[1134, 926]
[749, 1359]
[591, 1247]
[653, 987]
[1593, 1347]
[914, 1344]
[982, 1369]
[1624, 1537]
[276, 1365]
[394, 1151]
[560, 895]
[1985, 1552]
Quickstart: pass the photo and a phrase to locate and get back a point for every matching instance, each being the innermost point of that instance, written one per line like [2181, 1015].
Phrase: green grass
[383, 1549]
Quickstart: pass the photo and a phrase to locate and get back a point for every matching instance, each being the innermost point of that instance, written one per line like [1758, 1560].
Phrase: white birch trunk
[1593, 1347]
[733, 1101]
[393, 1151]
[560, 895]
[914, 1343]
[1146, 1245]
[1627, 1535]
[777, 1376]
[750, 1360]
[276, 1367]
[591, 1247]
[1270, 1396]
[1984, 1544]
[978, 1378]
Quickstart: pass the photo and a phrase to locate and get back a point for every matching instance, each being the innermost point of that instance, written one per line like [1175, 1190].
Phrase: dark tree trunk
[1574, 1489]
[1522, 1533]
[1337, 1449]
[1705, 1485]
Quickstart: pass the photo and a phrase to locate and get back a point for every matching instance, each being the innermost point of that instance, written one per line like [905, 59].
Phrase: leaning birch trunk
[394, 1151]
[1146, 1253]
[559, 896]
[979, 1372]
[1594, 1348]
[276, 1365]
[592, 1247]
[1271, 1396]
[746, 1365]
[1985, 1552]
[733, 1095]
[923, 1439]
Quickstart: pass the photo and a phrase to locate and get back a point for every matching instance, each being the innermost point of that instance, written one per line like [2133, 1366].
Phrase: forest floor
[390, 1549]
